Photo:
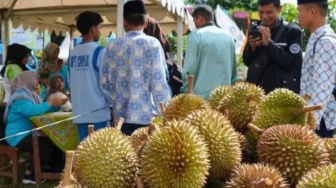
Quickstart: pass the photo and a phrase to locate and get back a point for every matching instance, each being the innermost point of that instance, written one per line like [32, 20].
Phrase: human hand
[254, 42]
[57, 101]
[266, 34]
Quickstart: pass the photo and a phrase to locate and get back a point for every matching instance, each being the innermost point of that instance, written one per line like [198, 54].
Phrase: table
[64, 135]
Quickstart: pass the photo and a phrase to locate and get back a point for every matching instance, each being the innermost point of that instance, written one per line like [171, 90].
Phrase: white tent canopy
[59, 15]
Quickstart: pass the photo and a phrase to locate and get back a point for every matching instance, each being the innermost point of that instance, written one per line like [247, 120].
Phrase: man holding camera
[273, 53]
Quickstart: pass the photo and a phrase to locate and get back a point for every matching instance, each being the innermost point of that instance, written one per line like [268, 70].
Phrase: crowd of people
[133, 74]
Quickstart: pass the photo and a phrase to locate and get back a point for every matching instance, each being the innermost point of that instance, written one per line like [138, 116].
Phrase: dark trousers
[129, 128]
[323, 132]
[50, 154]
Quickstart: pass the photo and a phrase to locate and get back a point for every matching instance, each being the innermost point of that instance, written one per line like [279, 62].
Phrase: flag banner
[224, 21]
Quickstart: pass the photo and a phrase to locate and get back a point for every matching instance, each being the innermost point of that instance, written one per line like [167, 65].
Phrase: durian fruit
[242, 140]
[181, 105]
[330, 144]
[106, 159]
[158, 121]
[247, 175]
[175, 156]
[217, 94]
[138, 137]
[294, 150]
[321, 177]
[222, 141]
[221, 138]
[242, 103]
[311, 120]
[281, 106]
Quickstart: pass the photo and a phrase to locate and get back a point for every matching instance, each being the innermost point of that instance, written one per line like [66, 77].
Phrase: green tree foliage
[249, 5]
[289, 14]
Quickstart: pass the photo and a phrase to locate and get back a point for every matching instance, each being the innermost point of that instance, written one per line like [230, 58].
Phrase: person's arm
[104, 76]
[28, 108]
[158, 83]
[190, 66]
[12, 71]
[292, 56]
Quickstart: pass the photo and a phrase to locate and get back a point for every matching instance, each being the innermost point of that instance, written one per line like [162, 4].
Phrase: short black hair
[204, 11]
[267, 2]
[87, 19]
[135, 19]
[323, 8]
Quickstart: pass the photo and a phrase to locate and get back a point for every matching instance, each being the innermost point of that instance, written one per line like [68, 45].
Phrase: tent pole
[179, 40]
[5, 37]
[120, 18]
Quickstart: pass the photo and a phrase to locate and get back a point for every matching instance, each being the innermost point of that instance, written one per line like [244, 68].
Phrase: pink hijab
[23, 87]
[27, 81]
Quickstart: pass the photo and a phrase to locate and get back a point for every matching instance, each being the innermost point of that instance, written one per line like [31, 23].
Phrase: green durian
[181, 105]
[321, 177]
[105, 159]
[221, 139]
[248, 174]
[242, 102]
[175, 156]
[293, 149]
[217, 94]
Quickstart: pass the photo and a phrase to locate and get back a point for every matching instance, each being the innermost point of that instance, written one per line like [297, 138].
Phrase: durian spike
[307, 96]
[139, 183]
[67, 169]
[262, 183]
[162, 108]
[120, 123]
[226, 113]
[254, 128]
[152, 128]
[90, 129]
[190, 84]
[312, 108]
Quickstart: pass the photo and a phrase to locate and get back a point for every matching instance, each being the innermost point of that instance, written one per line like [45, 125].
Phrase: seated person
[16, 60]
[23, 104]
[56, 90]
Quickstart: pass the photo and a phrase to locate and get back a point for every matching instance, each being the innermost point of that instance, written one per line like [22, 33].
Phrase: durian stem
[162, 108]
[312, 108]
[90, 129]
[139, 183]
[120, 123]
[254, 128]
[307, 96]
[152, 128]
[190, 84]
[67, 170]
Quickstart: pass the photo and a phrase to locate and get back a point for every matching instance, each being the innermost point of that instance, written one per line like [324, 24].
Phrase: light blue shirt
[319, 75]
[210, 58]
[134, 72]
[19, 113]
[87, 96]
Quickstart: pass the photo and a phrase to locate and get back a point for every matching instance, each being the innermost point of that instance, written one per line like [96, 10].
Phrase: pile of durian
[239, 138]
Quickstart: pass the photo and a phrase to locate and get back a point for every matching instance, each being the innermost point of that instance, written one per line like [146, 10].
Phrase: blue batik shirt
[319, 74]
[133, 73]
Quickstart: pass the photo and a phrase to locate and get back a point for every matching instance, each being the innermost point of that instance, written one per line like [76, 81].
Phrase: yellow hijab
[47, 62]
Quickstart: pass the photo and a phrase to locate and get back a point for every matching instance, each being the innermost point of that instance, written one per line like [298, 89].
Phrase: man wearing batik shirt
[134, 72]
[319, 63]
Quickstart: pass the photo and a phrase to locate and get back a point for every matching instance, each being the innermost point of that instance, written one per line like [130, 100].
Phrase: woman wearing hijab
[15, 63]
[51, 64]
[23, 104]
[56, 90]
